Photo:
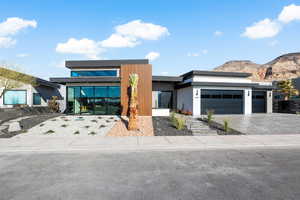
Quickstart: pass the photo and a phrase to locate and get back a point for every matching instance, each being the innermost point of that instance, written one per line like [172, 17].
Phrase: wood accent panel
[144, 88]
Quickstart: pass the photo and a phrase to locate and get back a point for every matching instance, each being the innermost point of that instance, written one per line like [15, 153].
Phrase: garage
[258, 102]
[222, 101]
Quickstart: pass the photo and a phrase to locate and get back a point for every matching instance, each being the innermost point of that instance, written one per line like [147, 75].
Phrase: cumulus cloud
[86, 47]
[11, 26]
[262, 29]
[289, 13]
[130, 34]
[119, 41]
[218, 33]
[152, 56]
[6, 42]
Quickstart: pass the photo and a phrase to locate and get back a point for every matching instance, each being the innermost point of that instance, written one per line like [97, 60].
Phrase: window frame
[76, 71]
[33, 99]
[4, 103]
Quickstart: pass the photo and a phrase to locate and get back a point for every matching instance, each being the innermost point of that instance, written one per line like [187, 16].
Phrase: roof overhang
[175, 79]
[88, 64]
[215, 73]
[223, 84]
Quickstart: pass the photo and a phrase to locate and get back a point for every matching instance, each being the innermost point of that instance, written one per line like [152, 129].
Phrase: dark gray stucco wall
[166, 86]
[47, 92]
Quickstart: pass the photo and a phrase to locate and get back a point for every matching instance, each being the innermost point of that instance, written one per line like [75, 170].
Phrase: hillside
[283, 67]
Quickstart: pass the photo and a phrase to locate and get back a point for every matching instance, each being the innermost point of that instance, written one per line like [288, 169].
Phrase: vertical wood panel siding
[144, 87]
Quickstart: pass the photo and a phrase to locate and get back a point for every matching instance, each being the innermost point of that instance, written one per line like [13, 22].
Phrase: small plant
[92, 133]
[86, 126]
[111, 118]
[66, 120]
[94, 121]
[41, 125]
[76, 133]
[99, 117]
[297, 113]
[179, 123]
[53, 104]
[49, 132]
[53, 120]
[210, 114]
[24, 131]
[64, 125]
[226, 126]
[102, 126]
[173, 117]
[108, 121]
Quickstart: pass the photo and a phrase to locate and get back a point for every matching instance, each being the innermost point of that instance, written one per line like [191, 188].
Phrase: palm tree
[133, 102]
[287, 88]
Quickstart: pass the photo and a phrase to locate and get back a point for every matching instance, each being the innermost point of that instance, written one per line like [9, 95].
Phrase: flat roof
[167, 78]
[74, 64]
[216, 73]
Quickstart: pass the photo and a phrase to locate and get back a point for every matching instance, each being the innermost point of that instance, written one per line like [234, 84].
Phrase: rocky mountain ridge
[284, 67]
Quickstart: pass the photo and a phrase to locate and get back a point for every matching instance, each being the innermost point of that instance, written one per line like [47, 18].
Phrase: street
[202, 174]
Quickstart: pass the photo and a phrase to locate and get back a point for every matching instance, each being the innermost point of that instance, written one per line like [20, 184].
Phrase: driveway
[263, 124]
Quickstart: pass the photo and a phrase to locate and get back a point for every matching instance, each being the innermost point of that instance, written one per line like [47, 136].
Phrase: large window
[15, 97]
[100, 100]
[161, 99]
[37, 100]
[94, 73]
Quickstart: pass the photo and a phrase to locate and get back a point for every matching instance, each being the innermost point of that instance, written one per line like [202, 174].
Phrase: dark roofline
[166, 78]
[75, 64]
[215, 73]
[217, 84]
[46, 83]
[104, 79]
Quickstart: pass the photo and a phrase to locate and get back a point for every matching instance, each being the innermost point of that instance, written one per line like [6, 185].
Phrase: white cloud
[13, 25]
[196, 54]
[129, 34]
[140, 29]
[262, 29]
[119, 41]
[6, 42]
[86, 47]
[152, 56]
[273, 43]
[289, 14]
[22, 55]
[218, 33]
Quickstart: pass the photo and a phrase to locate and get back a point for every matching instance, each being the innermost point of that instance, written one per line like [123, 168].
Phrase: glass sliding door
[98, 100]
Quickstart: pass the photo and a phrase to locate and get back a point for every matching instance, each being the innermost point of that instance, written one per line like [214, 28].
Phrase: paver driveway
[267, 124]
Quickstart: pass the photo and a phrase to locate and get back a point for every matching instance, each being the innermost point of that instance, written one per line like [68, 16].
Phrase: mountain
[283, 67]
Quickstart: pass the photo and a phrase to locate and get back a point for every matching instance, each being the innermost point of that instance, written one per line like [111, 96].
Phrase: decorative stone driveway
[263, 124]
[71, 126]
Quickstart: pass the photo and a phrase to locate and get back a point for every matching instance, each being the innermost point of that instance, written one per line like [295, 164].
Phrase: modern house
[101, 87]
[29, 94]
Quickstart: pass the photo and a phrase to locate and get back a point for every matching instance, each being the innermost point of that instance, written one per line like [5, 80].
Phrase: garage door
[222, 101]
[258, 102]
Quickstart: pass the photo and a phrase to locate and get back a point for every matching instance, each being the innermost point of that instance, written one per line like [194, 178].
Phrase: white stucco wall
[185, 99]
[269, 101]
[220, 79]
[248, 101]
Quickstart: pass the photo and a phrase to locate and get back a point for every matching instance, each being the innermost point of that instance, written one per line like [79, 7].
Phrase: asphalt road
[209, 175]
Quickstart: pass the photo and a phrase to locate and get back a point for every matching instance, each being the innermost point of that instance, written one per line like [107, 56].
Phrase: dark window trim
[171, 102]
[14, 104]
[33, 102]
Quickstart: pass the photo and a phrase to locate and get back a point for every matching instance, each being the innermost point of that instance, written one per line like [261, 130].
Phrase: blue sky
[182, 35]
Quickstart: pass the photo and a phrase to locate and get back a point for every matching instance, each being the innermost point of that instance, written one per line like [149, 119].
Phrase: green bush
[178, 123]
[210, 114]
[226, 126]
[173, 116]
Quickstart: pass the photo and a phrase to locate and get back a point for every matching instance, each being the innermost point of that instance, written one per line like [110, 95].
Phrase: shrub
[179, 123]
[226, 126]
[64, 125]
[210, 114]
[173, 116]
[92, 133]
[41, 125]
[49, 132]
[76, 133]
[94, 121]
[53, 104]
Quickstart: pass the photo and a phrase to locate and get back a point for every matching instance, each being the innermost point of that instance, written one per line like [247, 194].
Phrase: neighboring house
[30, 95]
[101, 87]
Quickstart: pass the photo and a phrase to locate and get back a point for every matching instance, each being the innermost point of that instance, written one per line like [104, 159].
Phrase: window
[94, 73]
[37, 99]
[161, 99]
[15, 97]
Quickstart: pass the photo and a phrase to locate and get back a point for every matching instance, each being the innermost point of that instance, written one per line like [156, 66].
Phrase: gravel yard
[163, 127]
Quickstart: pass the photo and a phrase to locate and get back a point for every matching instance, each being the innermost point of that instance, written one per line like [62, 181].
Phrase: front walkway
[135, 143]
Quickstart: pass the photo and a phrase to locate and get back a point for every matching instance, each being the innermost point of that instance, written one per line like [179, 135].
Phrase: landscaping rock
[14, 127]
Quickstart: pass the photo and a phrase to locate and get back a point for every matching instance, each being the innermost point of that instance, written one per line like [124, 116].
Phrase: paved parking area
[263, 124]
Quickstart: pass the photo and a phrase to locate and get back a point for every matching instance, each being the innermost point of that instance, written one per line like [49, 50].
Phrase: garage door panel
[222, 101]
[258, 101]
